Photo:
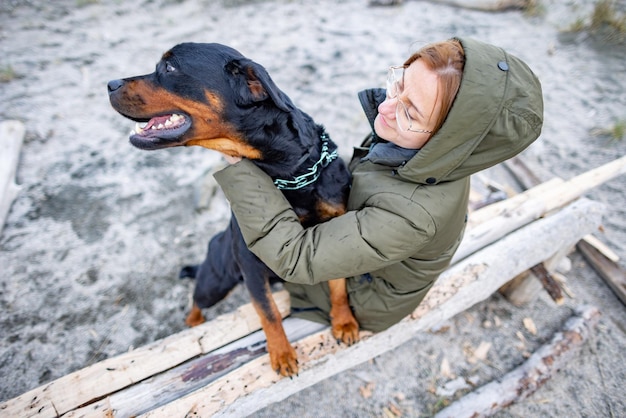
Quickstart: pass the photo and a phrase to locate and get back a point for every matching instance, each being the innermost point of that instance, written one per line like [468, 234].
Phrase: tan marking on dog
[344, 325]
[209, 129]
[326, 210]
[195, 316]
[228, 146]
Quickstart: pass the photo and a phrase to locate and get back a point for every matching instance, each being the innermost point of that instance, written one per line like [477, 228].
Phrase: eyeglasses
[395, 86]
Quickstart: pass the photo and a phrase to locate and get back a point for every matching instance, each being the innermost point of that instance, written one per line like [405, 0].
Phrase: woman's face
[419, 94]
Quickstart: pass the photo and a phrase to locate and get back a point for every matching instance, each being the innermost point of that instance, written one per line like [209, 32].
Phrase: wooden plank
[490, 223]
[492, 229]
[194, 374]
[530, 376]
[11, 139]
[512, 203]
[251, 387]
[608, 270]
[602, 248]
[583, 183]
[101, 379]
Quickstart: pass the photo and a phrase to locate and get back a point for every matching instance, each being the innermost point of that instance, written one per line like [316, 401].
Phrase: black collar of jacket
[370, 99]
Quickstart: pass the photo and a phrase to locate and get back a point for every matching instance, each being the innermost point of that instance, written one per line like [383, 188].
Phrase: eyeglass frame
[394, 83]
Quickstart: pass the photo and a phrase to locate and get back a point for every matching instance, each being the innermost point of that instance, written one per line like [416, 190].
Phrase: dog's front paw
[344, 325]
[284, 360]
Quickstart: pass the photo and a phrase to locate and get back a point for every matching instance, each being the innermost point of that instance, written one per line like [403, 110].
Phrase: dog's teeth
[138, 128]
[168, 123]
[160, 126]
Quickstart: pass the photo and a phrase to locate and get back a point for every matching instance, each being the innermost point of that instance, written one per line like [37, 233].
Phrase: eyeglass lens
[394, 88]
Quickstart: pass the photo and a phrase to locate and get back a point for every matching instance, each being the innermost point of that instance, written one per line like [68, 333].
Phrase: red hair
[447, 60]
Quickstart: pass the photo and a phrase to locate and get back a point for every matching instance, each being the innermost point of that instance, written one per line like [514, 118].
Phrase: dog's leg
[209, 290]
[344, 325]
[283, 357]
[217, 275]
[256, 276]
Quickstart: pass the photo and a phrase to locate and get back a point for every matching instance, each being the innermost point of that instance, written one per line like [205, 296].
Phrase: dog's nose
[114, 85]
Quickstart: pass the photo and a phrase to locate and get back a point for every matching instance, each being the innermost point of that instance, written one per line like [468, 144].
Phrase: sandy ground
[91, 249]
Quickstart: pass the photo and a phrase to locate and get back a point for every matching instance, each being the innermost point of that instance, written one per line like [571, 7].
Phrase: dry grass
[7, 73]
[606, 21]
[616, 132]
[606, 18]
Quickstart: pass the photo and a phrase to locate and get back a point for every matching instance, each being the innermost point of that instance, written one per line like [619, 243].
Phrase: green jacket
[403, 223]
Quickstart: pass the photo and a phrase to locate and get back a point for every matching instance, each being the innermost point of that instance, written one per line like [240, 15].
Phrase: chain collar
[314, 172]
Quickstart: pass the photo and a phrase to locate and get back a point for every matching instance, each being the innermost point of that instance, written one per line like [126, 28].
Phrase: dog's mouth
[160, 131]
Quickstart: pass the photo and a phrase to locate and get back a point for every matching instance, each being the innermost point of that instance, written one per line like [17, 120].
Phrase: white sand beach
[90, 251]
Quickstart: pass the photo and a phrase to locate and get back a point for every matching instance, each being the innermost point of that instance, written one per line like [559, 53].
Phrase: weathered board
[11, 139]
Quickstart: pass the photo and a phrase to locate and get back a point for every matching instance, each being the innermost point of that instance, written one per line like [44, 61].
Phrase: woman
[454, 108]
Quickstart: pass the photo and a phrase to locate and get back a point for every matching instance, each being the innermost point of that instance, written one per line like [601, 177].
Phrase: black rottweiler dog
[211, 95]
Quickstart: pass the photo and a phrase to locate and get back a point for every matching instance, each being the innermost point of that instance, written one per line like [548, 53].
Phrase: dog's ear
[254, 84]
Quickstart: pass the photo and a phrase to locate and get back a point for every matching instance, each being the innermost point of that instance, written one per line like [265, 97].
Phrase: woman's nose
[388, 108]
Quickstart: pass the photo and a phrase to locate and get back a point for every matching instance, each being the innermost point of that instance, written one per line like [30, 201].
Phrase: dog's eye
[169, 67]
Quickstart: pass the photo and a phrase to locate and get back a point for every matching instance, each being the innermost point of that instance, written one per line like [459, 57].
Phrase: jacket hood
[497, 113]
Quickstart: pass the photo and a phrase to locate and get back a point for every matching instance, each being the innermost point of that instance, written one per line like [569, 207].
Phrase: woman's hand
[230, 159]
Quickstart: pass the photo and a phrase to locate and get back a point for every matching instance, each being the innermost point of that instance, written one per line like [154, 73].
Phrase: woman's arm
[354, 243]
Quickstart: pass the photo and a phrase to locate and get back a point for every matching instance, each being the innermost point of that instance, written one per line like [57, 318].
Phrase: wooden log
[524, 176]
[601, 248]
[174, 383]
[486, 5]
[583, 183]
[109, 376]
[488, 224]
[577, 186]
[11, 139]
[524, 289]
[608, 270]
[251, 387]
[548, 282]
[502, 208]
[495, 228]
[530, 376]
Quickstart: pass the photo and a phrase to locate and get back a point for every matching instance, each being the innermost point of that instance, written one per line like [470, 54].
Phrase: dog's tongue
[156, 121]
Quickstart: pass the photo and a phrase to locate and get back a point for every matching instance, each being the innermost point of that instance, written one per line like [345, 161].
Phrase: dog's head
[199, 94]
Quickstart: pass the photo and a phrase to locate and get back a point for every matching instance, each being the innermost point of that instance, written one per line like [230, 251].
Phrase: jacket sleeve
[355, 243]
